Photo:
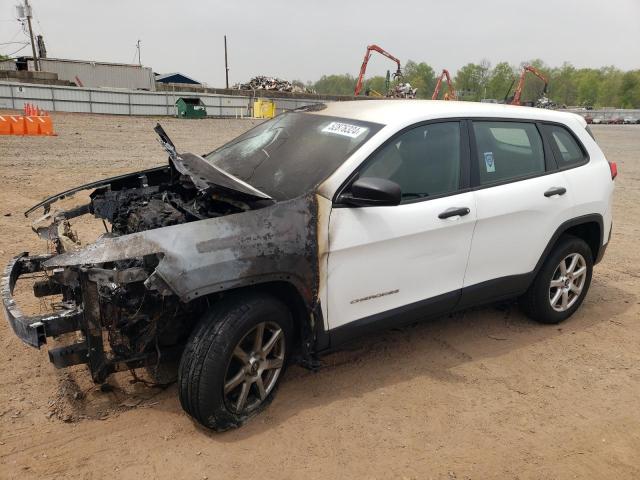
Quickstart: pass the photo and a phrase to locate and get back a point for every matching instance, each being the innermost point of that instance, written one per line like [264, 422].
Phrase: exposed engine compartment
[172, 201]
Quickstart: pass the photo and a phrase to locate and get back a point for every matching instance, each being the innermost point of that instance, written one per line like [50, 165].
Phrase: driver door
[393, 264]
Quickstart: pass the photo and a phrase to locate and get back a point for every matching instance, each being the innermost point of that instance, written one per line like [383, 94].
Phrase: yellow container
[264, 108]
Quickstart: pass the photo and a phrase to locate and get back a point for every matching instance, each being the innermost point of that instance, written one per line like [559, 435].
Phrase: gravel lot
[483, 394]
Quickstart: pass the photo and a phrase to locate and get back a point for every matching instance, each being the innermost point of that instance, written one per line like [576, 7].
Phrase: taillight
[614, 169]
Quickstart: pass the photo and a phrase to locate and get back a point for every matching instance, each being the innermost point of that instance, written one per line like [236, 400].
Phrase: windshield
[292, 153]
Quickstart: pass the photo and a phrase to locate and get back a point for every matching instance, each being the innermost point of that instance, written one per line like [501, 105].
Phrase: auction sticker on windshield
[344, 129]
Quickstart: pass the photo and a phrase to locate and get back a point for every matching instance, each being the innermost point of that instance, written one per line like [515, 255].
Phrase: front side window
[507, 150]
[424, 161]
[567, 149]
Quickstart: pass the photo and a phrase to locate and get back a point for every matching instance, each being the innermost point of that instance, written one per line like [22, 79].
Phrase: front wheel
[562, 282]
[234, 360]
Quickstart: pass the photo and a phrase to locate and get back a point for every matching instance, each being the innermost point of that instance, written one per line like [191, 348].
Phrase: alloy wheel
[254, 367]
[567, 282]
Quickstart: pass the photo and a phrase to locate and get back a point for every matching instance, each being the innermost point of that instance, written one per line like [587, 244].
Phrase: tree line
[568, 85]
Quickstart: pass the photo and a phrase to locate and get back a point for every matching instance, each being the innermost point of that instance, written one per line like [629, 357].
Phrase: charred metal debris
[177, 238]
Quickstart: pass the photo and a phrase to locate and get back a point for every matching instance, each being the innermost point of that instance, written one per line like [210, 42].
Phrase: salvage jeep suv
[311, 229]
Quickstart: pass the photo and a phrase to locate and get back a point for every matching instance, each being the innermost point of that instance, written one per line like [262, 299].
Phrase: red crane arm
[363, 68]
[451, 94]
[518, 93]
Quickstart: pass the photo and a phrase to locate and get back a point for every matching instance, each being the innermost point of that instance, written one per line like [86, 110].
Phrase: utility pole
[226, 65]
[139, 58]
[27, 11]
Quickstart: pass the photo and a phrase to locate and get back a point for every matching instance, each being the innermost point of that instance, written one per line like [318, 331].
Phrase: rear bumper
[34, 329]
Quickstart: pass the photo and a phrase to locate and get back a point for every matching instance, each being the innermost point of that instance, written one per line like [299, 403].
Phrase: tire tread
[534, 302]
[210, 339]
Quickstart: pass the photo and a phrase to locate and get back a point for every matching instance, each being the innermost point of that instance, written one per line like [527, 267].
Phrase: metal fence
[14, 95]
[608, 114]
[55, 98]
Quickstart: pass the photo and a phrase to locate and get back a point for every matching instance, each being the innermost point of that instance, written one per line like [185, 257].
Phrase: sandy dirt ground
[482, 394]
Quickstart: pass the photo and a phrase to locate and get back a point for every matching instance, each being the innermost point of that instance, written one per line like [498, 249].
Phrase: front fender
[278, 242]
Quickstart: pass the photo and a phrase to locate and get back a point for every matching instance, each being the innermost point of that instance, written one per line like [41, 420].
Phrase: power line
[19, 50]
[15, 35]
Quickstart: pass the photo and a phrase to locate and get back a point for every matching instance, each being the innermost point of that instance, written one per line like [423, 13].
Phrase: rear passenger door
[521, 199]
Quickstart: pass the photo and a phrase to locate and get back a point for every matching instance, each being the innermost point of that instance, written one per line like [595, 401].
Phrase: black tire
[210, 352]
[536, 302]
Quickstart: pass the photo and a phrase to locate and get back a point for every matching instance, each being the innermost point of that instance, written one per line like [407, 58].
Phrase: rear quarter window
[566, 149]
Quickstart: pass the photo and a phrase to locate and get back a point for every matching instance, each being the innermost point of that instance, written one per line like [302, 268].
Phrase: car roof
[389, 112]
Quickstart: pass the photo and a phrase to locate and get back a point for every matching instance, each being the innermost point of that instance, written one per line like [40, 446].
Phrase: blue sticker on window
[488, 162]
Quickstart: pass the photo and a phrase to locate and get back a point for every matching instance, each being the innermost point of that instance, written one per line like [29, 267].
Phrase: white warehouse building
[98, 74]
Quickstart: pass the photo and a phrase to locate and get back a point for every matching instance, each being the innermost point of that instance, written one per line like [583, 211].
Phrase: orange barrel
[45, 125]
[5, 125]
[30, 126]
[17, 125]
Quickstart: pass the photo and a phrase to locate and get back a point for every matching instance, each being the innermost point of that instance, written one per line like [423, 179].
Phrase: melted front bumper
[34, 329]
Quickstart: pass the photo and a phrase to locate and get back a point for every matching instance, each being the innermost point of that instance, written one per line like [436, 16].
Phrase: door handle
[454, 212]
[555, 191]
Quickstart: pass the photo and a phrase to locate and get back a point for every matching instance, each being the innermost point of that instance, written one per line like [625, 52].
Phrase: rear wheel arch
[589, 228]
[591, 233]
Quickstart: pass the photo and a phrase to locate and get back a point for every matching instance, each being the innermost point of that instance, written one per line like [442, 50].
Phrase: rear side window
[508, 150]
[567, 151]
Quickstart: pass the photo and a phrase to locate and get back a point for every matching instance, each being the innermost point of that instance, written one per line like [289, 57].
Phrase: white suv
[316, 227]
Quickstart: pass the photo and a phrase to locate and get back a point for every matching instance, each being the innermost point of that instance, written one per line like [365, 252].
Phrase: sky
[305, 39]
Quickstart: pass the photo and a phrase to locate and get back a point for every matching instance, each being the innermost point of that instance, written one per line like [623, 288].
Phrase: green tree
[472, 81]
[377, 84]
[587, 82]
[562, 85]
[500, 81]
[630, 90]
[420, 76]
[570, 86]
[609, 87]
[335, 85]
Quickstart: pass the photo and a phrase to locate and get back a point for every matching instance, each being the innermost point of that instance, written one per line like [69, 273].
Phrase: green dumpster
[191, 107]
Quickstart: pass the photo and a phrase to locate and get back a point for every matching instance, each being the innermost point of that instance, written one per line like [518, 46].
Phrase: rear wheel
[234, 360]
[562, 282]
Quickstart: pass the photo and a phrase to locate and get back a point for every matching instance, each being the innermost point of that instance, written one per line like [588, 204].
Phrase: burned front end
[173, 240]
[103, 315]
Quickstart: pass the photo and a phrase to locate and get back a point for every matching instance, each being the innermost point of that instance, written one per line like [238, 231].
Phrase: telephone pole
[226, 65]
[27, 13]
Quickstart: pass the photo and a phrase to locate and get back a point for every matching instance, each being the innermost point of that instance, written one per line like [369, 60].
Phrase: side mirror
[372, 191]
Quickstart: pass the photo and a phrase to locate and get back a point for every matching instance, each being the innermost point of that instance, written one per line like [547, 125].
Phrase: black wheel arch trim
[562, 229]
